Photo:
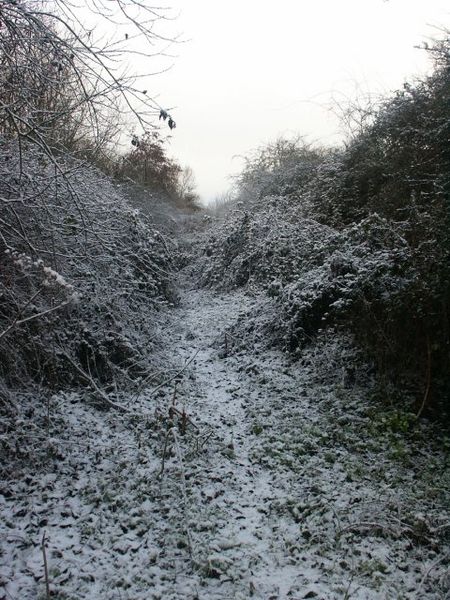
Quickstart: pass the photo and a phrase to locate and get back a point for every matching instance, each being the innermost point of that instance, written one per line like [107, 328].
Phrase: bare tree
[187, 189]
[56, 68]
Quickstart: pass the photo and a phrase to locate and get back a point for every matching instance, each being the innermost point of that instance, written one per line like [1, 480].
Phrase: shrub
[83, 274]
[358, 240]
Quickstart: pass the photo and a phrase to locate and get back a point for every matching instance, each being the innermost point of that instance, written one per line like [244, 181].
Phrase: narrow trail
[242, 552]
[287, 499]
[271, 490]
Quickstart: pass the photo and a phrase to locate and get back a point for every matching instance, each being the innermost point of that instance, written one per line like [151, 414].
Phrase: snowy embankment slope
[244, 476]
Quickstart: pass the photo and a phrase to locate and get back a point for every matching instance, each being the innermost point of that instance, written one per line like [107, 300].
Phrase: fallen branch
[98, 390]
[166, 381]
[177, 374]
[370, 526]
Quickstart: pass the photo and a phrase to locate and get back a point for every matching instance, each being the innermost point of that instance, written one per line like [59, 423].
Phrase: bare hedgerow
[81, 272]
[83, 275]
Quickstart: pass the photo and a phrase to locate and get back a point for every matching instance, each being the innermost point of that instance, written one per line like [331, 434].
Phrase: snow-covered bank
[244, 476]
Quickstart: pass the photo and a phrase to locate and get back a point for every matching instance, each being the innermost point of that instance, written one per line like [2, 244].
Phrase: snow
[53, 275]
[279, 482]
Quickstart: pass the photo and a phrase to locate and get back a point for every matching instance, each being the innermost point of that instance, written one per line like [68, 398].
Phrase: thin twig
[163, 461]
[427, 572]
[97, 389]
[44, 555]
[177, 374]
[428, 380]
[165, 382]
[183, 493]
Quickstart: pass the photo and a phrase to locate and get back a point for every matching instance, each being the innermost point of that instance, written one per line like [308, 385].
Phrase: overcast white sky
[253, 70]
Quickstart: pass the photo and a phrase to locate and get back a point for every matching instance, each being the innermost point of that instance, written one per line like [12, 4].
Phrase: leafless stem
[44, 556]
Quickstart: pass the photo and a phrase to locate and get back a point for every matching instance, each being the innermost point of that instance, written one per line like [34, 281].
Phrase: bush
[272, 243]
[83, 274]
[357, 238]
[280, 168]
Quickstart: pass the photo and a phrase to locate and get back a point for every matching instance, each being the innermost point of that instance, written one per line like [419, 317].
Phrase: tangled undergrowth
[84, 276]
[357, 241]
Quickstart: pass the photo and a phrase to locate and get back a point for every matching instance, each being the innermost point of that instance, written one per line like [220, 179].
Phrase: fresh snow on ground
[242, 475]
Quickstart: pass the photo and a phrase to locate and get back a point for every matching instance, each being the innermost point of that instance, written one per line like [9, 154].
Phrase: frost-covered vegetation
[83, 275]
[152, 445]
[355, 239]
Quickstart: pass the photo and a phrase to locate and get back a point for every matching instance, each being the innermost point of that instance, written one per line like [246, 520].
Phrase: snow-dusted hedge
[365, 264]
[317, 276]
[369, 280]
[82, 274]
[360, 243]
[263, 246]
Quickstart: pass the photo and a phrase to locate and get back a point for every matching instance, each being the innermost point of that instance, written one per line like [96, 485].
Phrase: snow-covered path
[239, 546]
[281, 482]
[288, 499]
